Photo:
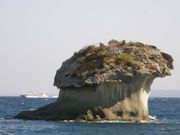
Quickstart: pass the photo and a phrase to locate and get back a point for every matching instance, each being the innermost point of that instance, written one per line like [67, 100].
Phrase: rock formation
[106, 82]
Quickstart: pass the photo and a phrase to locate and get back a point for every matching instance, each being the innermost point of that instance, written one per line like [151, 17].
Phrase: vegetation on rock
[93, 62]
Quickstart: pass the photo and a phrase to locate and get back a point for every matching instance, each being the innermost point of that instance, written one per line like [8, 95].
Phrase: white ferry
[56, 96]
[35, 95]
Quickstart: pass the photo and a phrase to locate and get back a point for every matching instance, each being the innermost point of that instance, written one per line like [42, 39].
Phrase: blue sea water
[167, 111]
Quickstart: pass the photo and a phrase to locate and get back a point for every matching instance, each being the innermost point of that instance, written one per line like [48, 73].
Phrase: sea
[165, 110]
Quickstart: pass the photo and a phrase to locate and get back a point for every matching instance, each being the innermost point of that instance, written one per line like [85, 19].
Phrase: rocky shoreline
[106, 82]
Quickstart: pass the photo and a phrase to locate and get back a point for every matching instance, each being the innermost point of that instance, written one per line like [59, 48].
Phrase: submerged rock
[106, 82]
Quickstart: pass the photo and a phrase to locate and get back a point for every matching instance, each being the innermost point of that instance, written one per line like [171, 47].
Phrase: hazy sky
[37, 35]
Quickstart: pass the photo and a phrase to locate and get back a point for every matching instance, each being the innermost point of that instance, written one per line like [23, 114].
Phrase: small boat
[35, 95]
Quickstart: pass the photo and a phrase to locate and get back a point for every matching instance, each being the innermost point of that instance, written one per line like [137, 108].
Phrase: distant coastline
[154, 93]
[165, 93]
[20, 95]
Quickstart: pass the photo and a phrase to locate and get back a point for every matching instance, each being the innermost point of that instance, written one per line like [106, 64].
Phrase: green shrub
[95, 53]
[124, 57]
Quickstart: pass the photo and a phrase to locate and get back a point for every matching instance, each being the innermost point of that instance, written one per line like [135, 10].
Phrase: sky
[36, 36]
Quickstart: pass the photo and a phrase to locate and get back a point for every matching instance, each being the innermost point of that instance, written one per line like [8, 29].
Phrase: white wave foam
[32, 109]
[152, 117]
[152, 120]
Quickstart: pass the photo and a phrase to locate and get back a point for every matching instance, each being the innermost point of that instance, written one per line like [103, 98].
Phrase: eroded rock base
[107, 101]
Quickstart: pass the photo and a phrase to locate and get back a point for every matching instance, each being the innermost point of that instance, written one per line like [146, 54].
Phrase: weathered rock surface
[106, 82]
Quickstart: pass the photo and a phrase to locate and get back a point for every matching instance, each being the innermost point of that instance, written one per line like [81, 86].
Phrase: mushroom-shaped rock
[106, 82]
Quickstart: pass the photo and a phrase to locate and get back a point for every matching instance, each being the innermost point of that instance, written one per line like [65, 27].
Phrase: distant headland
[106, 82]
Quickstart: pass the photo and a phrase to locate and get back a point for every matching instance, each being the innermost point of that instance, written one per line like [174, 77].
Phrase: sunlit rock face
[106, 82]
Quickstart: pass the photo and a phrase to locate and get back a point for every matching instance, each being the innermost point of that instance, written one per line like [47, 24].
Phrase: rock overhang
[117, 61]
